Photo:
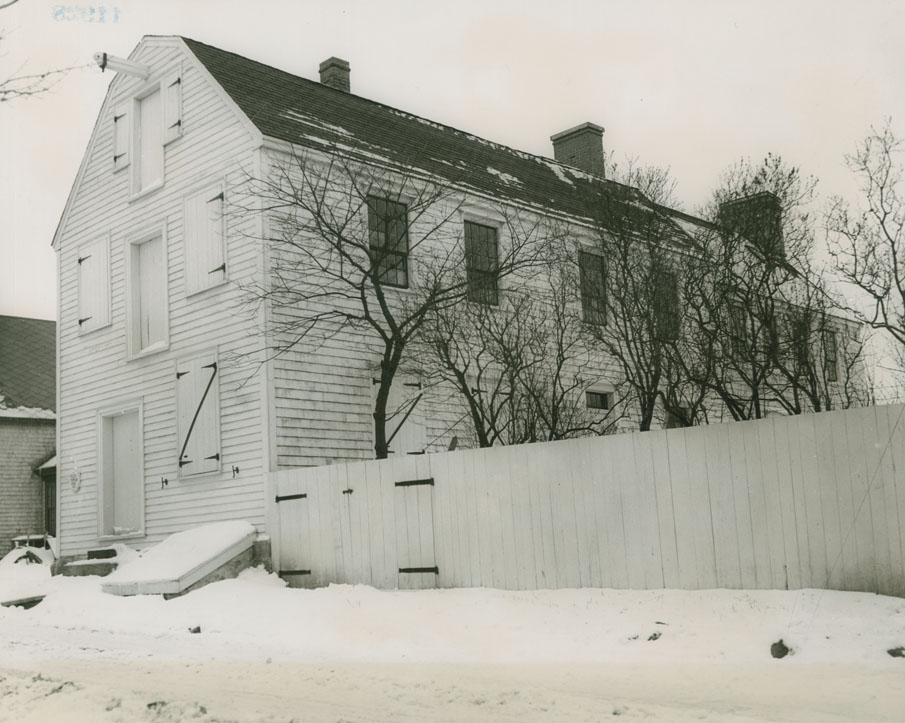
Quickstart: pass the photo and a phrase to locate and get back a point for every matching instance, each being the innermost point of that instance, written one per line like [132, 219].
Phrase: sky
[692, 86]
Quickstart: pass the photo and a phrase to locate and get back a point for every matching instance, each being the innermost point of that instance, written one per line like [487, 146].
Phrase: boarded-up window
[121, 139]
[148, 167]
[205, 253]
[198, 414]
[481, 263]
[148, 323]
[592, 271]
[172, 89]
[94, 284]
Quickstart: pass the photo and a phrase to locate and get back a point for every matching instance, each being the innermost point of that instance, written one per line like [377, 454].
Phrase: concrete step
[80, 568]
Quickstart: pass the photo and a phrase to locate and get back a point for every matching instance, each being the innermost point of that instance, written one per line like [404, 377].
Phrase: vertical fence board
[872, 557]
[775, 513]
[373, 516]
[863, 436]
[666, 519]
[757, 505]
[829, 504]
[477, 554]
[562, 505]
[844, 472]
[622, 495]
[892, 440]
[645, 535]
[519, 475]
[888, 440]
[586, 531]
[699, 487]
[610, 526]
[795, 524]
[818, 545]
[386, 481]
[686, 512]
[778, 449]
[745, 534]
[722, 506]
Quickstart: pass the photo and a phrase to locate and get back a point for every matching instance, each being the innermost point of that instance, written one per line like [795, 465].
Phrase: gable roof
[306, 113]
[27, 363]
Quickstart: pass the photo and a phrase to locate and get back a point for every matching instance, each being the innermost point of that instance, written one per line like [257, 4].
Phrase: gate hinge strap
[415, 482]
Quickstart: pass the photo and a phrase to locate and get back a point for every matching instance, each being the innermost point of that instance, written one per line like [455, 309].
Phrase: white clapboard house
[169, 414]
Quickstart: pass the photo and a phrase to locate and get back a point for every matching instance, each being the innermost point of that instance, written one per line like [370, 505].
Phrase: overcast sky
[691, 85]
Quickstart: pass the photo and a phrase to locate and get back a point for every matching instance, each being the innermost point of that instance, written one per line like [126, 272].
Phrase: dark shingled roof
[28, 362]
[307, 113]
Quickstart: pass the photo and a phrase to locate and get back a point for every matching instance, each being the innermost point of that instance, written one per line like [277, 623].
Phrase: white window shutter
[198, 415]
[204, 249]
[411, 437]
[94, 284]
[121, 133]
[172, 92]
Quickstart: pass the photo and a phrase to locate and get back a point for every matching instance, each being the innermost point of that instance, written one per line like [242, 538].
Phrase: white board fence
[786, 502]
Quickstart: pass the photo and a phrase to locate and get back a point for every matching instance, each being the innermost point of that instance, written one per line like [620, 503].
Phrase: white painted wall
[813, 501]
[95, 369]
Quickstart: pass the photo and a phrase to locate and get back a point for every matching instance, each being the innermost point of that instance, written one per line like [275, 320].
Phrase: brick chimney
[581, 147]
[335, 74]
[757, 218]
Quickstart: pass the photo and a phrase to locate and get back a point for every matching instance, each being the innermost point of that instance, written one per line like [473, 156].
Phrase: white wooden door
[123, 510]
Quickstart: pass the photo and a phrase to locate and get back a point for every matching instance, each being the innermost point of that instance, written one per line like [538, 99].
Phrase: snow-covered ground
[251, 650]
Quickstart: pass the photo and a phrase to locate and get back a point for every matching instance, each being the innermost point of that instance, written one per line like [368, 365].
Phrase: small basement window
[598, 400]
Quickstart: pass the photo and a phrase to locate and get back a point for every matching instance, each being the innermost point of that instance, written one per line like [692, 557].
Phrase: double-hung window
[830, 356]
[592, 279]
[666, 311]
[388, 241]
[481, 263]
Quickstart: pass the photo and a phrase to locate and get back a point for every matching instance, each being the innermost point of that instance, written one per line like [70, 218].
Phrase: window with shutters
[143, 126]
[147, 296]
[198, 415]
[482, 263]
[93, 263]
[592, 278]
[388, 240]
[204, 247]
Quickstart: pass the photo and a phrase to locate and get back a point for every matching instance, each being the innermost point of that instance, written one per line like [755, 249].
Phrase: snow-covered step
[186, 559]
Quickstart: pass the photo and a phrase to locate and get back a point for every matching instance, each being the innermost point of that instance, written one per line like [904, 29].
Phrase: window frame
[482, 285]
[105, 413]
[601, 389]
[591, 302]
[666, 309]
[830, 361]
[133, 291]
[378, 260]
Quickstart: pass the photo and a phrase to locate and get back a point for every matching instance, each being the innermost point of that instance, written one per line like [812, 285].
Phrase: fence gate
[414, 515]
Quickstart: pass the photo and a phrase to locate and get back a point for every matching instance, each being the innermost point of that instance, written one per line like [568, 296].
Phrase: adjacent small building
[27, 428]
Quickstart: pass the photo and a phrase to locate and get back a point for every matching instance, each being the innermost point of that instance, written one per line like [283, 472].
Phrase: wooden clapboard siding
[687, 508]
[95, 370]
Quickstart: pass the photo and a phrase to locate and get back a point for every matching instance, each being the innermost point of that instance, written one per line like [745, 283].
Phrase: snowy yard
[252, 650]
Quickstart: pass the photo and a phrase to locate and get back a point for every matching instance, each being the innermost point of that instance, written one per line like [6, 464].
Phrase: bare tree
[18, 86]
[867, 241]
[369, 253]
[769, 332]
[522, 367]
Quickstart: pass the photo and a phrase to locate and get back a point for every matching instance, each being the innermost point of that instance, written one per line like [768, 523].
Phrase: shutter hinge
[177, 123]
[86, 256]
[178, 81]
[83, 320]
[218, 197]
[184, 462]
[214, 456]
[221, 267]
[181, 374]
